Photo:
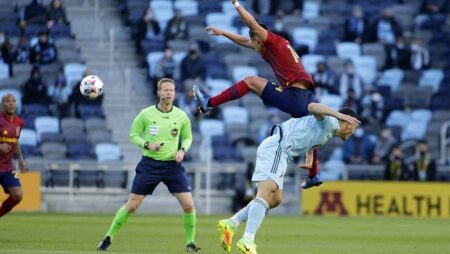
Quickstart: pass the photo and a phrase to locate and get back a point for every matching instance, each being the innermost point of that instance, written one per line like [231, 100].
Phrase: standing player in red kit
[10, 128]
[292, 95]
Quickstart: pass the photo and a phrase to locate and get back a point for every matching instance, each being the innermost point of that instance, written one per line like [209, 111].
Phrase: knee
[17, 197]
[251, 81]
[131, 207]
[188, 207]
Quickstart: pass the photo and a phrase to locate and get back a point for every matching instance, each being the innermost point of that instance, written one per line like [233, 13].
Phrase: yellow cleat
[226, 231]
[246, 246]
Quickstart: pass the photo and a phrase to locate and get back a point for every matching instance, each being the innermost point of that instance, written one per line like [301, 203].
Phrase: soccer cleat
[311, 182]
[192, 247]
[104, 244]
[201, 99]
[246, 246]
[226, 231]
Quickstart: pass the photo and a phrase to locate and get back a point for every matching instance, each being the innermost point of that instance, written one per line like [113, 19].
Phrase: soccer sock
[120, 219]
[190, 219]
[240, 216]
[7, 205]
[256, 214]
[234, 92]
[314, 170]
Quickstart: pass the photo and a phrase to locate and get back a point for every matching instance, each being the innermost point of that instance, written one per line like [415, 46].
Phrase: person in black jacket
[386, 29]
[147, 28]
[424, 165]
[35, 90]
[355, 26]
[396, 168]
[44, 52]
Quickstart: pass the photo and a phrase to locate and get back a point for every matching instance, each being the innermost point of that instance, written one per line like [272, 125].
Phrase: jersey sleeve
[186, 134]
[329, 124]
[137, 128]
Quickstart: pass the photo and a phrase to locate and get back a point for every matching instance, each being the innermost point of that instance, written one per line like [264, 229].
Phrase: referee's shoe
[104, 244]
[192, 247]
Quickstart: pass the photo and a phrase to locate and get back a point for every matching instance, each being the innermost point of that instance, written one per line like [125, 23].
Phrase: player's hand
[153, 147]
[214, 31]
[348, 119]
[308, 161]
[179, 156]
[22, 166]
[5, 148]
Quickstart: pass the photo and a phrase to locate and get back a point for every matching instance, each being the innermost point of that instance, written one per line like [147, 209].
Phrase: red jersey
[285, 62]
[9, 134]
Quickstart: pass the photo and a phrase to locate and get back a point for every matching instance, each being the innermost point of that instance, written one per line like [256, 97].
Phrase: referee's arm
[186, 134]
[136, 130]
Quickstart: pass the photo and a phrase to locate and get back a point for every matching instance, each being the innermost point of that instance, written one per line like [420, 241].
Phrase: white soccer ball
[91, 86]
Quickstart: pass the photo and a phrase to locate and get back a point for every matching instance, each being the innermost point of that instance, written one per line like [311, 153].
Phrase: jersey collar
[163, 111]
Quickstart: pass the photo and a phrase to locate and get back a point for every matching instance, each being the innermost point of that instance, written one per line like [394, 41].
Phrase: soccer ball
[91, 87]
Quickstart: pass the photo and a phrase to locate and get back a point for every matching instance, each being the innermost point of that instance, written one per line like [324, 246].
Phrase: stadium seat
[4, 71]
[163, 16]
[187, 7]
[115, 178]
[73, 136]
[10, 29]
[397, 118]
[331, 100]
[152, 59]
[310, 62]
[391, 78]
[28, 137]
[153, 45]
[305, 36]
[211, 127]
[215, 86]
[206, 7]
[88, 111]
[179, 46]
[348, 50]
[310, 10]
[432, 78]
[235, 114]
[219, 20]
[77, 151]
[59, 178]
[35, 110]
[107, 152]
[60, 31]
[99, 136]
[223, 39]
[366, 67]
[95, 124]
[74, 72]
[333, 170]
[72, 124]
[225, 153]
[375, 50]
[32, 30]
[240, 72]
[53, 150]
[46, 124]
[17, 95]
[158, 5]
[51, 137]
[229, 9]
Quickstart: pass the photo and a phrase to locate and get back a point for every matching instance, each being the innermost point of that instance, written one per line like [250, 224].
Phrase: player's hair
[6, 96]
[252, 34]
[349, 111]
[164, 80]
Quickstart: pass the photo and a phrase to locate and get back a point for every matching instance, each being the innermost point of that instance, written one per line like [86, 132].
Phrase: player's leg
[313, 177]
[179, 186]
[11, 185]
[241, 88]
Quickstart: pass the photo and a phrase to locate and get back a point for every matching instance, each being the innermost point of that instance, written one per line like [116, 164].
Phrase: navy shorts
[150, 172]
[292, 100]
[9, 179]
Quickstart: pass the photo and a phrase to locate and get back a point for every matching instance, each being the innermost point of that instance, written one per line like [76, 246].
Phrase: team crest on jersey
[17, 131]
[5, 132]
[279, 89]
[174, 132]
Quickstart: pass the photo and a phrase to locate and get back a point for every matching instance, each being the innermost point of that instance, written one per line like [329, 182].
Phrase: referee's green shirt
[155, 126]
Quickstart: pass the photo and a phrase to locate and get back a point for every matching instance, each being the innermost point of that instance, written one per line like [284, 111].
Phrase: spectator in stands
[60, 93]
[44, 52]
[56, 14]
[395, 168]
[358, 149]
[34, 13]
[352, 102]
[384, 145]
[22, 53]
[386, 29]
[6, 52]
[398, 55]
[350, 80]
[166, 66]
[176, 28]
[372, 105]
[148, 27]
[278, 28]
[266, 127]
[324, 79]
[355, 26]
[424, 165]
[434, 10]
[187, 102]
[193, 66]
[420, 56]
[34, 90]
[287, 7]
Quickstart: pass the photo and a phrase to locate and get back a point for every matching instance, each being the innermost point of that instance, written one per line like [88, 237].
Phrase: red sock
[315, 165]
[235, 92]
[7, 206]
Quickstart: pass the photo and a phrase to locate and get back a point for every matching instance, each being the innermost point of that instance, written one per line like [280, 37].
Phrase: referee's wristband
[236, 4]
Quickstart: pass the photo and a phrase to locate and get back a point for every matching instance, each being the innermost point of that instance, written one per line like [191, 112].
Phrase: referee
[164, 133]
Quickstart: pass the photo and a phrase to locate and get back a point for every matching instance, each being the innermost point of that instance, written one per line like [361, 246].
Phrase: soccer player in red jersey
[292, 95]
[10, 128]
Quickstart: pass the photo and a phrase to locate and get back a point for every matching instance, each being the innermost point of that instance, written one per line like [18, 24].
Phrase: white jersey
[302, 134]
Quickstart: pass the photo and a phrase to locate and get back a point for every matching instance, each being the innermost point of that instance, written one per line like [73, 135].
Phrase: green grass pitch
[49, 233]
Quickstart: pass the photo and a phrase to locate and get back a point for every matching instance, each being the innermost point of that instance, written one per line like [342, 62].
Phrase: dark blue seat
[225, 153]
[385, 91]
[10, 29]
[440, 101]
[217, 71]
[51, 137]
[88, 111]
[326, 48]
[114, 178]
[32, 30]
[58, 177]
[61, 31]
[35, 110]
[394, 103]
[88, 178]
[28, 150]
[205, 7]
[78, 151]
[220, 141]
[153, 45]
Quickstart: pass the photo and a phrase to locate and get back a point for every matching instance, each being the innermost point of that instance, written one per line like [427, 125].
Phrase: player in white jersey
[293, 138]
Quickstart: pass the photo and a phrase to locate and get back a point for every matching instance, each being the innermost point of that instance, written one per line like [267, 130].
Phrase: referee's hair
[349, 111]
[164, 80]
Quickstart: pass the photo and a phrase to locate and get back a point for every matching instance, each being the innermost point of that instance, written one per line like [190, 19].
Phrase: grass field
[48, 233]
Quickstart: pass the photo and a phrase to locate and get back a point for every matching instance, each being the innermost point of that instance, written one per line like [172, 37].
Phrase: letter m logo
[331, 202]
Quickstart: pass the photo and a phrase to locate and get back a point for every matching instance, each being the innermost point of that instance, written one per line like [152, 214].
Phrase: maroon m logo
[331, 202]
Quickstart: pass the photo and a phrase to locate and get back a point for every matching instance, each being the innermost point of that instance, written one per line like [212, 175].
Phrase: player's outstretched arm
[320, 111]
[236, 38]
[22, 165]
[250, 21]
